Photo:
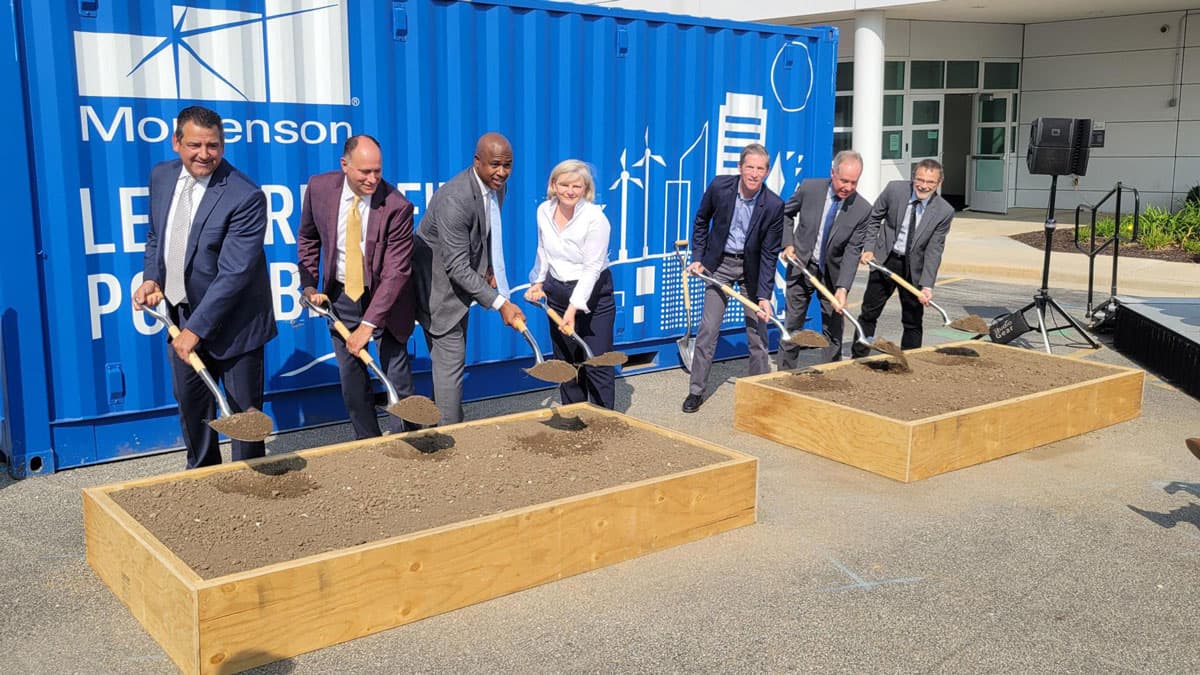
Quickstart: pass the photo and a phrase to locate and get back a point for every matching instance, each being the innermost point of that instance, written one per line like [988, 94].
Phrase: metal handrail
[1093, 250]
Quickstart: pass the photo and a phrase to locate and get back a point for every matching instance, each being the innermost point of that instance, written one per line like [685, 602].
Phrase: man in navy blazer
[204, 255]
[735, 238]
[377, 299]
[907, 232]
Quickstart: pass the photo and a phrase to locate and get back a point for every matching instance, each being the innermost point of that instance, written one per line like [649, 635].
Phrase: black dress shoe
[692, 403]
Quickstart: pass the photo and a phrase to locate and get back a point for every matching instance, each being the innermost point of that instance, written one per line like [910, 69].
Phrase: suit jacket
[387, 261]
[711, 229]
[451, 255]
[225, 271]
[925, 251]
[846, 235]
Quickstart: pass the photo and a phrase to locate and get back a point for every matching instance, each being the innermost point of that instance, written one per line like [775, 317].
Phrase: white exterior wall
[1123, 72]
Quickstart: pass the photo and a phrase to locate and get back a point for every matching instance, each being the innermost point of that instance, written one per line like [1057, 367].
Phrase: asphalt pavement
[1079, 556]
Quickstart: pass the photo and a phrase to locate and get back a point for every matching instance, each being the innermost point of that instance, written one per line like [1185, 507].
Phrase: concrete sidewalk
[979, 247]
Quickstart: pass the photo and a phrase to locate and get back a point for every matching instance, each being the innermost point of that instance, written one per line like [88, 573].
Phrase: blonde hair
[577, 168]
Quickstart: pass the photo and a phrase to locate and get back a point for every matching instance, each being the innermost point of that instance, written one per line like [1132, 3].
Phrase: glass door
[992, 152]
[923, 128]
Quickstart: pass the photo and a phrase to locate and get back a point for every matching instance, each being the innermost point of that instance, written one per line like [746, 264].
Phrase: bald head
[493, 160]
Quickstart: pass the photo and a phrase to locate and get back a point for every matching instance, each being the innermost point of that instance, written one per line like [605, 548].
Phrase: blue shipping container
[657, 104]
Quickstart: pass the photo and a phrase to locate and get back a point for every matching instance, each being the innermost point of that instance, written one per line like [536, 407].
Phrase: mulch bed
[1064, 242]
[942, 381]
[294, 507]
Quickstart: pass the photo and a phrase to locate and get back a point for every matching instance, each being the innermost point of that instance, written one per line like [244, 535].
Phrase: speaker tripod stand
[1043, 304]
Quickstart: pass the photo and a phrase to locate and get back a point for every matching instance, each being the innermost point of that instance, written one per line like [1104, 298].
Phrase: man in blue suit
[735, 239]
[204, 255]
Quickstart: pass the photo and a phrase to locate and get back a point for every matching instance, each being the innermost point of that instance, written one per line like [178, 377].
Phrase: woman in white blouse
[571, 272]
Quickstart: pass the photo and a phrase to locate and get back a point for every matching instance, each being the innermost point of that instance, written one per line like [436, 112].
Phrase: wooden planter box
[912, 450]
[238, 621]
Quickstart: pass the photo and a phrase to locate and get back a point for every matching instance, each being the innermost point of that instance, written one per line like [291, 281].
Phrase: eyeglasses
[926, 183]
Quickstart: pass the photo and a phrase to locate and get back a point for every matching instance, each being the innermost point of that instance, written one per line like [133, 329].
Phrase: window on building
[893, 110]
[994, 110]
[892, 140]
[842, 141]
[928, 74]
[962, 74]
[845, 76]
[1001, 75]
[843, 111]
[893, 76]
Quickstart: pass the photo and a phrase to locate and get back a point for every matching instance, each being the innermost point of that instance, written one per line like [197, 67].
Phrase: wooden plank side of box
[978, 435]
[144, 576]
[282, 610]
[849, 436]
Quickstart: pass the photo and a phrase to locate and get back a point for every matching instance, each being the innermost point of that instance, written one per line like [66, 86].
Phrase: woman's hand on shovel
[534, 293]
[568, 320]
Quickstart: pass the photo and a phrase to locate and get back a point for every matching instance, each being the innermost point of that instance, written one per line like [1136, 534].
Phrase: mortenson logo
[279, 51]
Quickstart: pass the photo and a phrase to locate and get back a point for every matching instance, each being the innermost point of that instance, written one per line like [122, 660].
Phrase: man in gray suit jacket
[827, 223]
[455, 262]
[910, 244]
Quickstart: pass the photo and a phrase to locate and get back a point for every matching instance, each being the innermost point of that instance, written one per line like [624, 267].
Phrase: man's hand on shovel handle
[147, 295]
[314, 298]
[185, 343]
[764, 310]
[867, 256]
[359, 338]
[926, 296]
[696, 267]
[840, 294]
[509, 313]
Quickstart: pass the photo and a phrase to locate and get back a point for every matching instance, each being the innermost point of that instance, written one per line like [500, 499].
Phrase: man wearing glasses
[908, 227]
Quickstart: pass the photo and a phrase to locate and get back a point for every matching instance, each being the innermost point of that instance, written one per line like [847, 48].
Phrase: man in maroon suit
[360, 230]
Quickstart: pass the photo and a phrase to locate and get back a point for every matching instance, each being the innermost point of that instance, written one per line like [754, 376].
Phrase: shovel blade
[553, 371]
[687, 347]
[971, 324]
[1193, 444]
[416, 409]
[809, 338]
[608, 359]
[252, 425]
[891, 349]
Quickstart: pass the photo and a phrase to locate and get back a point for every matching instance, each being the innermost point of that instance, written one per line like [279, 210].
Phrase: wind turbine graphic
[624, 181]
[647, 156]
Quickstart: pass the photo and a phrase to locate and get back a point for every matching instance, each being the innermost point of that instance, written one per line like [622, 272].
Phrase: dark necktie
[912, 227]
[823, 244]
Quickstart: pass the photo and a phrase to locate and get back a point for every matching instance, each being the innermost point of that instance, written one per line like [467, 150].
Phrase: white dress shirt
[364, 207]
[577, 252]
[198, 189]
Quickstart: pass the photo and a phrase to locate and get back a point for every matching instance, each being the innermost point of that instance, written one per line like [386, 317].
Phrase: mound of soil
[941, 381]
[1063, 241]
[296, 506]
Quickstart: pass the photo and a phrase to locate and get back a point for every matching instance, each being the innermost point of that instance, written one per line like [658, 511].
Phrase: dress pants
[357, 392]
[879, 290]
[799, 294]
[241, 377]
[728, 272]
[594, 383]
[448, 355]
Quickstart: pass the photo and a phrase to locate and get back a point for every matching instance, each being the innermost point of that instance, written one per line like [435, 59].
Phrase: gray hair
[845, 156]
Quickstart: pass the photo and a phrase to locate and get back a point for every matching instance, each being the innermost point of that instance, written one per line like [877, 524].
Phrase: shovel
[804, 338]
[968, 324]
[547, 371]
[1193, 444]
[687, 343]
[415, 409]
[251, 425]
[605, 359]
[878, 344]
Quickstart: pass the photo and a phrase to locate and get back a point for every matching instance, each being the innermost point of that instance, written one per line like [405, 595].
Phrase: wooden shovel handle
[687, 298]
[193, 358]
[518, 325]
[558, 320]
[812, 279]
[739, 297]
[363, 355]
[900, 281]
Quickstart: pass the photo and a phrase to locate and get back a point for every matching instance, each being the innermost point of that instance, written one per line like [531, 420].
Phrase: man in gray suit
[827, 223]
[910, 244]
[458, 259]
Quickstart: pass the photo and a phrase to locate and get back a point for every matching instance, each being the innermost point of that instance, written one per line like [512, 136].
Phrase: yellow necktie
[354, 261]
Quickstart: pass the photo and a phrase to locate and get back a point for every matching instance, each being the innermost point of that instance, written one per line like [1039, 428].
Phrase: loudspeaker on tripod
[1059, 146]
